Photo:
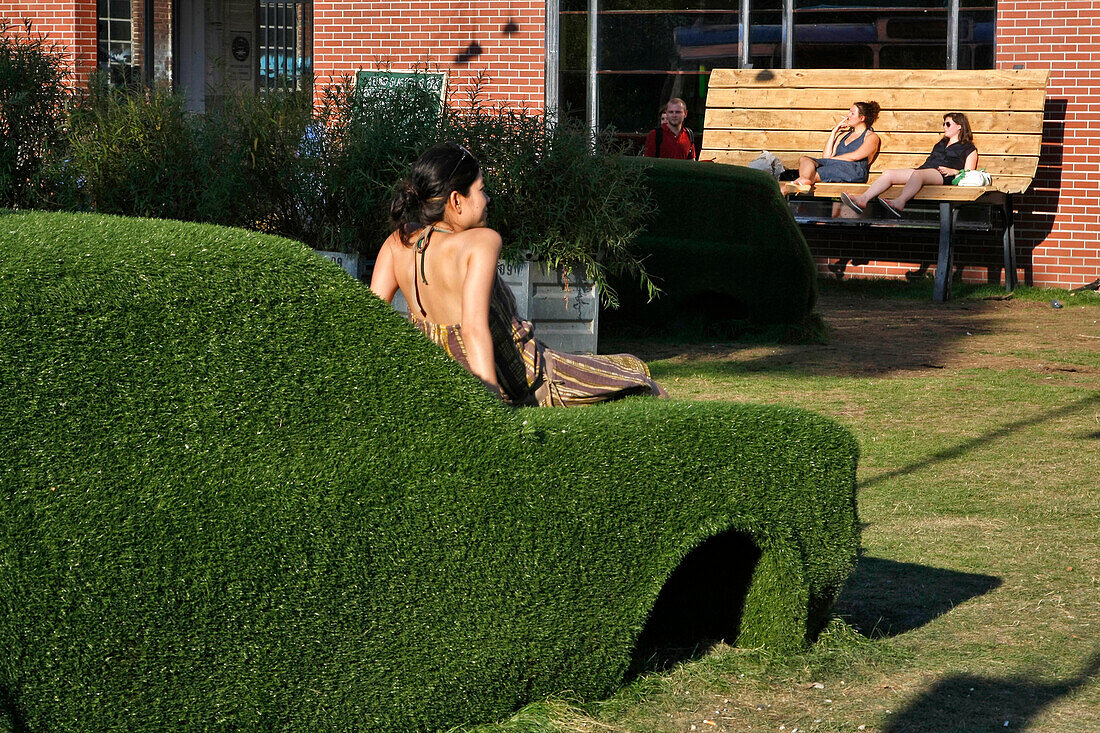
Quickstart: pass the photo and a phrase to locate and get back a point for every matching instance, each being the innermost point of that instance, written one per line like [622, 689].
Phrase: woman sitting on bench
[954, 152]
[443, 258]
[847, 158]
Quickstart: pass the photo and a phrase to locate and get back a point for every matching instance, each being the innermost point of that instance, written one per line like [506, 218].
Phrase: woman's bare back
[432, 273]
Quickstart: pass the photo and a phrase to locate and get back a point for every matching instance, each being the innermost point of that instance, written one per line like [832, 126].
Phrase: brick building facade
[504, 45]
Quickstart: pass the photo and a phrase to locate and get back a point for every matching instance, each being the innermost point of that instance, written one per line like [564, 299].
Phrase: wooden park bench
[790, 112]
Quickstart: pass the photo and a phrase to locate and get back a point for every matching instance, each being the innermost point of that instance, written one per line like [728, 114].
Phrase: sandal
[890, 207]
[851, 203]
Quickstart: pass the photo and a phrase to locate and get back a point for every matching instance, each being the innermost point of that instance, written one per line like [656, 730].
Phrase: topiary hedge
[237, 491]
[723, 247]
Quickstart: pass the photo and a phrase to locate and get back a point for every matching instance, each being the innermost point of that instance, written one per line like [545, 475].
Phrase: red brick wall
[353, 34]
[69, 23]
[1059, 229]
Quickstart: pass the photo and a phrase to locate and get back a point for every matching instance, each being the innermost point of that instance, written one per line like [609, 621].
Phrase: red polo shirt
[677, 147]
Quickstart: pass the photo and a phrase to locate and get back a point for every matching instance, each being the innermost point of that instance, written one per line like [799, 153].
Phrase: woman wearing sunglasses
[954, 152]
[443, 259]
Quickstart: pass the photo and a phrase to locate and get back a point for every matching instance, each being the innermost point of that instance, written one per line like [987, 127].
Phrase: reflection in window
[873, 35]
[651, 50]
[286, 44]
[116, 42]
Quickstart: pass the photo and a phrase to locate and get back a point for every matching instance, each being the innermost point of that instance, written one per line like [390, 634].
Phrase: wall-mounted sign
[241, 48]
[432, 82]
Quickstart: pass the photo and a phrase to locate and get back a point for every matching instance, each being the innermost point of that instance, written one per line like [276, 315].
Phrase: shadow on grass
[886, 598]
[983, 440]
[867, 337]
[974, 703]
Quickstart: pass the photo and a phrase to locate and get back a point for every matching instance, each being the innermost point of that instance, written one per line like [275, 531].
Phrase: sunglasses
[461, 158]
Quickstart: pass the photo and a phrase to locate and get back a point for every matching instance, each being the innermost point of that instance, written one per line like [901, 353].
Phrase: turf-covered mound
[724, 248]
[237, 491]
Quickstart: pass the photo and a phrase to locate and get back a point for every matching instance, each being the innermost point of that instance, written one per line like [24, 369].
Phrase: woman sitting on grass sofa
[954, 152]
[443, 258]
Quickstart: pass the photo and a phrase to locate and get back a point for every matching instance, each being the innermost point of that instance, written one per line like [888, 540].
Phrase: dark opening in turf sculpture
[238, 492]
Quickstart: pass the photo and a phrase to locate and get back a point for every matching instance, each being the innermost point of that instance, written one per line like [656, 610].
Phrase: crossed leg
[807, 171]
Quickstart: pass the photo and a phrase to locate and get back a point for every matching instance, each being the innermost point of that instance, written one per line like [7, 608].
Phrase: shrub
[255, 174]
[724, 248]
[238, 491]
[33, 98]
[267, 163]
[557, 194]
[133, 152]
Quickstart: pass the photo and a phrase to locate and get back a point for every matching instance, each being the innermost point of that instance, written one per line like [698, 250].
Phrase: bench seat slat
[958, 194]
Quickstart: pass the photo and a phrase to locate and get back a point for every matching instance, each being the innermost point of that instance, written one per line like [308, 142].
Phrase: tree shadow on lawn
[974, 703]
[886, 598]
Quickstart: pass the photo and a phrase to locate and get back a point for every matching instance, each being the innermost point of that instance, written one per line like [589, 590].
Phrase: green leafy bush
[134, 152]
[270, 163]
[238, 491]
[558, 195]
[33, 98]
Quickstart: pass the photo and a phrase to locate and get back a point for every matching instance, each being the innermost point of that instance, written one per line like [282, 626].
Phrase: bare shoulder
[483, 241]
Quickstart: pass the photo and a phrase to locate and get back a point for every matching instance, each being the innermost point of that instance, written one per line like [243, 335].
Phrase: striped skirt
[531, 374]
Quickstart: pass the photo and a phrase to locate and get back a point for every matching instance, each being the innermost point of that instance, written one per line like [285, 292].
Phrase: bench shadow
[976, 703]
[699, 605]
[885, 598]
[1038, 206]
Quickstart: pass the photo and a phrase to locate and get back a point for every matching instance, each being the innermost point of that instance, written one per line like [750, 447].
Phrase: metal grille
[286, 44]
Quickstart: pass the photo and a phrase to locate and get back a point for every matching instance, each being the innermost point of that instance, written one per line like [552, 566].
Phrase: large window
[286, 44]
[650, 50]
[116, 42]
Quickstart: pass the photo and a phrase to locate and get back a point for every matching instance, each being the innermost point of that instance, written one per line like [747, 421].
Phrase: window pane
[120, 9]
[120, 30]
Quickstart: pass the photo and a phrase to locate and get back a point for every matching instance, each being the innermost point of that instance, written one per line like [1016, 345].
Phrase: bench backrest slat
[789, 112]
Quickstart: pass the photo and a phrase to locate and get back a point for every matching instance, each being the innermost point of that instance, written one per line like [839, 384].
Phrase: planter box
[350, 262]
[566, 315]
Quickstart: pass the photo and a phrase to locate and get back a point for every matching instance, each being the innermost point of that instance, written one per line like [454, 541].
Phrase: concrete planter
[565, 311]
[349, 261]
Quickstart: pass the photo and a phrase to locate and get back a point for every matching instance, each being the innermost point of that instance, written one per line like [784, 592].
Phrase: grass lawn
[976, 606]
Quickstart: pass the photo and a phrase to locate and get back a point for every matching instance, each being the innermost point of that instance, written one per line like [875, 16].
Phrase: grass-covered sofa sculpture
[723, 248]
[238, 492]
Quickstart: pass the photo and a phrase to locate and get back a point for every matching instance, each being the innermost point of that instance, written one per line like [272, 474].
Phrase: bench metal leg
[1010, 245]
[944, 262]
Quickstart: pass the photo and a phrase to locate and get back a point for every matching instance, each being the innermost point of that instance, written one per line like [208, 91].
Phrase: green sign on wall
[432, 82]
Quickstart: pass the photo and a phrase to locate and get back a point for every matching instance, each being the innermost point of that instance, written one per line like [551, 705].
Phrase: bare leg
[888, 179]
[917, 181]
[807, 171]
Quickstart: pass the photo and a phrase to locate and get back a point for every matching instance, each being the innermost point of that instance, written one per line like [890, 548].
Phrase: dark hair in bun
[420, 199]
[869, 110]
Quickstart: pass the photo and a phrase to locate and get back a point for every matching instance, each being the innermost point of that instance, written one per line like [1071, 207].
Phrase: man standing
[672, 139]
